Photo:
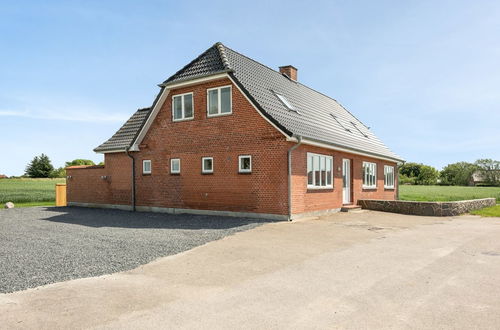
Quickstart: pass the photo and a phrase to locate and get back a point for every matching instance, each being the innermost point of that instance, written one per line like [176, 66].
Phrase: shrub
[77, 162]
[403, 179]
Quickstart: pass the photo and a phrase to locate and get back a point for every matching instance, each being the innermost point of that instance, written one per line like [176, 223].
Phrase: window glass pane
[213, 107]
[146, 166]
[316, 170]
[329, 171]
[245, 163]
[207, 164]
[177, 107]
[323, 170]
[175, 165]
[188, 106]
[225, 99]
[309, 170]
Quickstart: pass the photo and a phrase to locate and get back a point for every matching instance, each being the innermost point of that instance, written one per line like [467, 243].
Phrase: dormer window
[219, 101]
[285, 102]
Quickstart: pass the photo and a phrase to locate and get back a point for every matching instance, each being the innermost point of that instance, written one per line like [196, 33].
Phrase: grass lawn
[493, 211]
[446, 193]
[29, 192]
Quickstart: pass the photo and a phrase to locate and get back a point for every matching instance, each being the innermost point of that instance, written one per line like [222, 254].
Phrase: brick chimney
[290, 71]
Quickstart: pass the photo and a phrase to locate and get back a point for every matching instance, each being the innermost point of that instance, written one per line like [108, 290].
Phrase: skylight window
[285, 102]
[338, 122]
[357, 128]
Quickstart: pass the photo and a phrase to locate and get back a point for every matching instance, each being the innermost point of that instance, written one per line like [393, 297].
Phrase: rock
[9, 205]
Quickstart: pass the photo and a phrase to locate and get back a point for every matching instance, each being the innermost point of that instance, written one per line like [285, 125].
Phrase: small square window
[175, 166]
[245, 164]
[146, 167]
[207, 165]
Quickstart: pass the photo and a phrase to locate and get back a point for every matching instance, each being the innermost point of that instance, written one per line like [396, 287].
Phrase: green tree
[39, 167]
[428, 175]
[77, 162]
[410, 170]
[457, 174]
[489, 170]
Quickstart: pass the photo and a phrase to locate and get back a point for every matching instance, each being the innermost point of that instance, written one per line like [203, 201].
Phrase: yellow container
[61, 194]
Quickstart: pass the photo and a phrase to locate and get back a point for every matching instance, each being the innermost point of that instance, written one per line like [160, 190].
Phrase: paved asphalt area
[45, 245]
[367, 270]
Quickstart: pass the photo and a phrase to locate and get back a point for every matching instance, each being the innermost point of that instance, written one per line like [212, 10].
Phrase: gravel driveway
[42, 245]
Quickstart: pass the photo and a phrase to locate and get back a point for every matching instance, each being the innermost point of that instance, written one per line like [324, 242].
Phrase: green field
[446, 193]
[29, 192]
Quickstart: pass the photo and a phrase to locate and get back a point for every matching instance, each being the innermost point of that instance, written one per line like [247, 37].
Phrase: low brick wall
[435, 209]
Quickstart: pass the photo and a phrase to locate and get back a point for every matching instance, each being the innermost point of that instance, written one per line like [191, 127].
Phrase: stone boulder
[9, 205]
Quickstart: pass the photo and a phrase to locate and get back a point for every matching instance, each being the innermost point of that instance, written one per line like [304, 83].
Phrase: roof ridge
[251, 59]
[189, 64]
[223, 56]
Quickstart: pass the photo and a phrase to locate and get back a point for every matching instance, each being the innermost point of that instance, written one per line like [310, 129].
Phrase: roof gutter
[299, 142]
[346, 149]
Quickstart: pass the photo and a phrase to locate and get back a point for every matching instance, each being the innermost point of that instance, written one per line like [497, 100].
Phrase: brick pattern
[244, 132]
[308, 200]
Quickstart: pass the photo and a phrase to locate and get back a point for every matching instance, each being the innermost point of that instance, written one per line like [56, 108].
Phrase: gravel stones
[42, 245]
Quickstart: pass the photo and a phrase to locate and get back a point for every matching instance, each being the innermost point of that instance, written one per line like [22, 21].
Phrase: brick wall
[86, 185]
[224, 138]
[244, 132]
[308, 200]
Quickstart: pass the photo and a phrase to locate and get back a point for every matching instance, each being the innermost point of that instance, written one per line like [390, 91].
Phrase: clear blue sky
[425, 75]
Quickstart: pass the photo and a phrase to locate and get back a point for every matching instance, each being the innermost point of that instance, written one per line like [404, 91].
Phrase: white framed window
[207, 165]
[146, 166]
[388, 176]
[182, 107]
[369, 175]
[175, 166]
[219, 101]
[319, 171]
[245, 164]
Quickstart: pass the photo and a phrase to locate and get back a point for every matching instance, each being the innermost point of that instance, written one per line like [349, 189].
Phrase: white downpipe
[299, 142]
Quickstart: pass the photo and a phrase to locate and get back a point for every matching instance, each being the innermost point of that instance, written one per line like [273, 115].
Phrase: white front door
[346, 177]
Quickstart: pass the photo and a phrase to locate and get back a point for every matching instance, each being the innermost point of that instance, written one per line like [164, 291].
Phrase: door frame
[346, 183]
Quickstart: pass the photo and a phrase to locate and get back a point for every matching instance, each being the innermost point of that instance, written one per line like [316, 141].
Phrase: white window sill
[369, 188]
[219, 114]
[387, 187]
[319, 188]
[183, 119]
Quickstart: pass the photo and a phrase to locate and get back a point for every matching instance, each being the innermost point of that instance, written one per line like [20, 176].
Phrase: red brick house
[227, 135]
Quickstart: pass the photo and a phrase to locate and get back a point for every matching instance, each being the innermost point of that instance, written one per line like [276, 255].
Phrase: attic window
[338, 122]
[285, 102]
[357, 128]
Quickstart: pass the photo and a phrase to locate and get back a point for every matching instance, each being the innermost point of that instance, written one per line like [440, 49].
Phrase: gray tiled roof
[315, 114]
[318, 117]
[124, 137]
[209, 62]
